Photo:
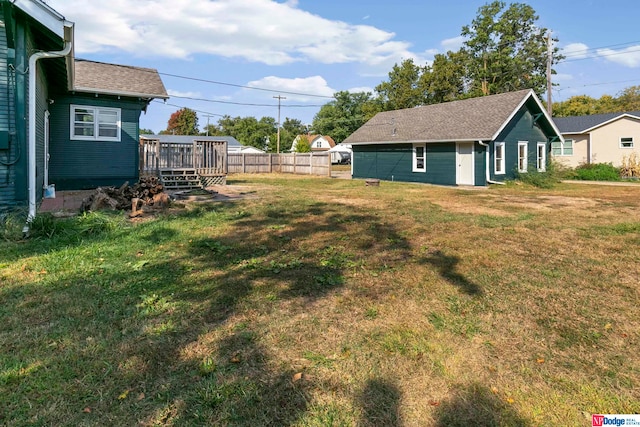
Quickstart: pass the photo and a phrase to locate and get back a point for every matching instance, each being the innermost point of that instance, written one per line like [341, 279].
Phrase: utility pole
[549, 61]
[207, 116]
[279, 98]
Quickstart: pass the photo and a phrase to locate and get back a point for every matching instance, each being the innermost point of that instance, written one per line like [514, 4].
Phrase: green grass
[324, 302]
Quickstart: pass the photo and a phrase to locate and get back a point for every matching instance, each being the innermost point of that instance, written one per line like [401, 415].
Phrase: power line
[585, 51]
[602, 55]
[244, 103]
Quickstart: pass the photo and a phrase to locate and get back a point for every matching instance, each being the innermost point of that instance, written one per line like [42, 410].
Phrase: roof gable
[473, 119]
[100, 77]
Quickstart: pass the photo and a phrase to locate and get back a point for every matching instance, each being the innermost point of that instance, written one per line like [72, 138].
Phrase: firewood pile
[148, 191]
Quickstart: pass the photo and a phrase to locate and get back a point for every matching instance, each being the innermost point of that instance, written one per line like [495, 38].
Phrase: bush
[555, 173]
[596, 172]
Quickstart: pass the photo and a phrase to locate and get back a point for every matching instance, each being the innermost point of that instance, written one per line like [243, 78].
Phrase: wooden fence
[296, 163]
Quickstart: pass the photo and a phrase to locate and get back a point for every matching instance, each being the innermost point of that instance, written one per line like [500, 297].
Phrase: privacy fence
[296, 163]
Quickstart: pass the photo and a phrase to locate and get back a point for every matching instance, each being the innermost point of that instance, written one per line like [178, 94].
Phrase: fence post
[270, 164]
[329, 165]
[157, 165]
[243, 166]
[295, 162]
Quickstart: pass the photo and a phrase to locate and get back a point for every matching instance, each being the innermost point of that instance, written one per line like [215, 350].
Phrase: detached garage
[470, 142]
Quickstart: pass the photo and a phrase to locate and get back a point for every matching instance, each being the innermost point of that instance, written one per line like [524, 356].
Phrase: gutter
[486, 162]
[31, 148]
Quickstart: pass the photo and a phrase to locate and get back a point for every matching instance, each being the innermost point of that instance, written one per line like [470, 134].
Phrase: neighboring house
[316, 142]
[63, 121]
[469, 142]
[599, 138]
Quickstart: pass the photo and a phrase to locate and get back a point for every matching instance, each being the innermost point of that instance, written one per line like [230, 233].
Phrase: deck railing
[208, 158]
[296, 163]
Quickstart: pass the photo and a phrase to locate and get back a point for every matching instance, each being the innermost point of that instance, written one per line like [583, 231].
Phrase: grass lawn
[319, 302]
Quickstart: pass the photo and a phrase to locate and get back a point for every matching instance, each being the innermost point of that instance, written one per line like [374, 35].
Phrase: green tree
[580, 105]
[303, 145]
[629, 99]
[446, 79]
[250, 131]
[406, 87]
[506, 50]
[144, 131]
[342, 116]
[289, 130]
[183, 122]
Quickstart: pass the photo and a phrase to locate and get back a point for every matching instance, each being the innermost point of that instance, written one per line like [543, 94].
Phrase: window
[523, 153]
[498, 154]
[419, 157]
[541, 157]
[626, 142]
[319, 144]
[95, 123]
[565, 148]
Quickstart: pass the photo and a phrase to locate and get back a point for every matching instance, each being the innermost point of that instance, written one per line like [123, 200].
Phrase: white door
[464, 157]
[46, 148]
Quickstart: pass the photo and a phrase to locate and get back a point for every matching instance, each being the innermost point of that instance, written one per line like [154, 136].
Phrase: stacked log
[148, 191]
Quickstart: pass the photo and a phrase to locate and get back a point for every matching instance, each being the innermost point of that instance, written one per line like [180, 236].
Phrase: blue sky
[318, 47]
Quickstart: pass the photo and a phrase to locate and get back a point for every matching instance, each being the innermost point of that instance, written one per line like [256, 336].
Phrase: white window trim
[524, 144]
[502, 161]
[415, 158]
[627, 137]
[544, 156]
[96, 123]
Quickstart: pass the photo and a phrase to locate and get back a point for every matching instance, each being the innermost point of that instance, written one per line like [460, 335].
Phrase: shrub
[630, 166]
[554, 174]
[597, 172]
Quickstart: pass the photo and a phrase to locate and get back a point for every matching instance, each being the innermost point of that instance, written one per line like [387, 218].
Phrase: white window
[626, 142]
[95, 123]
[319, 144]
[419, 157]
[498, 154]
[541, 157]
[559, 148]
[523, 153]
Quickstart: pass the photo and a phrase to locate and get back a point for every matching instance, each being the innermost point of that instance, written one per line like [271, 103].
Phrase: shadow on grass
[447, 267]
[117, 331]
[380, 403]
[476, 405]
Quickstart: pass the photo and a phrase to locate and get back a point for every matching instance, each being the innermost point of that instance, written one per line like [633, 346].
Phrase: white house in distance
[316, 142]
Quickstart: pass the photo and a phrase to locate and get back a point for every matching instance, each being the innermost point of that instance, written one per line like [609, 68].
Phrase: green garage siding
[394, 162]
[480, 169]
[78, 165]
[8, 148]
[520, 128]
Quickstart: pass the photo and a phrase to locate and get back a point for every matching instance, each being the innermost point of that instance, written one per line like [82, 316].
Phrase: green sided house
[63, 121]
[474, 141]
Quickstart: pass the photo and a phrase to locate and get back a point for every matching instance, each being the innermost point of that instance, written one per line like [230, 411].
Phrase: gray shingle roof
[465, 120]
[100, 77]
[578, 124]
[188, 139]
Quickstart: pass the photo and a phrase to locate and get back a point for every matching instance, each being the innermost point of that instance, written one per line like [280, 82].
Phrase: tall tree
[446, 79]
[506, 49]
[183, 122]
[406, 87]
[342, 116]
[250, 131]
[629, 99]
[290, 129]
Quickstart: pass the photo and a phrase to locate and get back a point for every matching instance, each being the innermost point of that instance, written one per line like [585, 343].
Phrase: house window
[319, 144]
[541, 157]
[523, 153]
[498, 154]
[559, 148]
[95, 123]
[626, 142]
[419, 157]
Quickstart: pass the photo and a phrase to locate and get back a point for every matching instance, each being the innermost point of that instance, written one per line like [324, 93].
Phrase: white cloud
[178, 93]
[255, 30]
[453, 44]
[361, 89]
[629, 57]
[315, 85]
[575, 51]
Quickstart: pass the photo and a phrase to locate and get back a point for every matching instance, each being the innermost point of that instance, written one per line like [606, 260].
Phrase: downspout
[31, 148]
[486, 162]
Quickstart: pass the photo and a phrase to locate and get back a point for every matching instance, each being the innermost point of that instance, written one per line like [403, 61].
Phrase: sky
[232, 57]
